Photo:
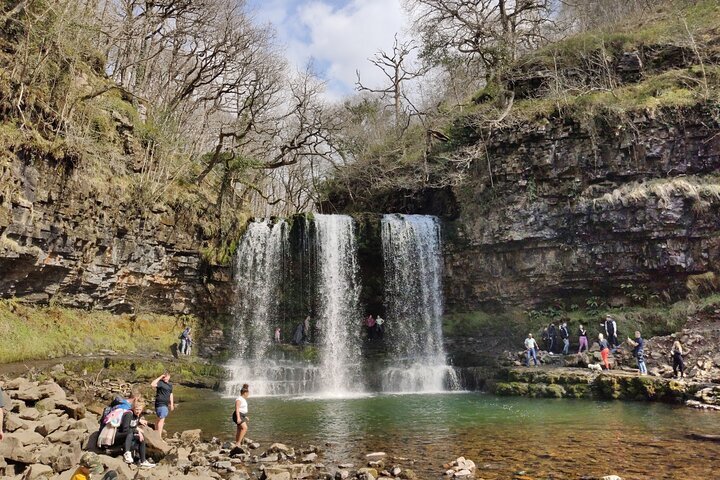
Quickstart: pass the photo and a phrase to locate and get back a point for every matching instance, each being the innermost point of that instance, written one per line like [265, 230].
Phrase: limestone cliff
[577, 210]
[68, 239]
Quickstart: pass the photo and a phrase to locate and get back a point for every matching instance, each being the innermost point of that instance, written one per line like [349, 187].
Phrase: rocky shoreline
[48, 427]
[577, 375]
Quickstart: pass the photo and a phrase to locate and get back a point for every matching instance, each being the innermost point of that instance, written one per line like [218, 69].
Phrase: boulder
[68, 437]
[116, 463]
[72, 408]
[18, 383]
[309, 458]
[275, 474]
[13, 422]
[154, 442]
[38, 470]
[191, 436]
[52, 391]
[280, 448]
[27, 437]
[29, 414]
[12, 448]
[49, 424]
[87, 425]
[29, 394]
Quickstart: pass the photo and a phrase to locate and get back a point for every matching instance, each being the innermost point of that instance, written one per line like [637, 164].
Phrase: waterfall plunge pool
[546, 438]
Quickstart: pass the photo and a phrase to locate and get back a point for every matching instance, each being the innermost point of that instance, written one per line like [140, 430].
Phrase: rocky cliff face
[564, 209]
[66, 240]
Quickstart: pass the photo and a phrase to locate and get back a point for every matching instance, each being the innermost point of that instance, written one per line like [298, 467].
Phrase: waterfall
[326, 257]
[260, 267]
[338, 312]
[414, 306]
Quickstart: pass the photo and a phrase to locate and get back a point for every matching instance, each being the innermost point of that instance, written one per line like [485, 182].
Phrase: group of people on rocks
[608, 342]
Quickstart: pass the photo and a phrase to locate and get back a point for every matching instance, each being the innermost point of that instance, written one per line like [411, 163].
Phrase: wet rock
[309, 458]
[191, 436]
[375, 455]
[342, 474]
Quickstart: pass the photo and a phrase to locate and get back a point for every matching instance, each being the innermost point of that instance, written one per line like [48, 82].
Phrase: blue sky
[337, 35]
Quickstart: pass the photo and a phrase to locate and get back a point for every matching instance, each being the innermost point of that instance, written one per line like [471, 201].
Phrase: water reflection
[559, 438]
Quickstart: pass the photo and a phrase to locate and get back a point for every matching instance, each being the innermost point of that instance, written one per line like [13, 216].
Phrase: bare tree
[492, 32]
[395, 67]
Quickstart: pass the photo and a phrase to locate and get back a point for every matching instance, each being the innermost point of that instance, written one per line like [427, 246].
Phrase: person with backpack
[131, 438]
[565, 335]
[552, 337]
[164, 400]
[611, 331]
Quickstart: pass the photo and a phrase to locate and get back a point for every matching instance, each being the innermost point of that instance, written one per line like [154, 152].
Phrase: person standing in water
[582, 337]
[164, 401]
[240, 414]
[678, 362]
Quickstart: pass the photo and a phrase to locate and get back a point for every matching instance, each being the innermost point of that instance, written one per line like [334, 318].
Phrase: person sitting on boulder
[131, 438]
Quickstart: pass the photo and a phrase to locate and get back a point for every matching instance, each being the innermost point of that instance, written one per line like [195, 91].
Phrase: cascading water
[260, 266]
[327, 258]
[414, 303]
[338, 312]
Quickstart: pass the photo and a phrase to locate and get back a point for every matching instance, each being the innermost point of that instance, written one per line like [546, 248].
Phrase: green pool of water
[543, 437]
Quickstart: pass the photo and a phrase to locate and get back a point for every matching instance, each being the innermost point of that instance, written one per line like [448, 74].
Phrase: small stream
[546, 438]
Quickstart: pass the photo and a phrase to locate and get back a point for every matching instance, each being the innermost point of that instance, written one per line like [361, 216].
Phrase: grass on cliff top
[679, 24]
[703, 191]
[34, 333]
[651, 320]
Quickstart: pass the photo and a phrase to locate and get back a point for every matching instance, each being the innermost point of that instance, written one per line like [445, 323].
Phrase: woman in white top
[240, 415]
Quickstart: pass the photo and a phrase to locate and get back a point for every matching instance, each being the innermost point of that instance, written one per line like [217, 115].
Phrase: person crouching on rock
[604, 350]
[91, 466]
[130, 437]
[240, 415]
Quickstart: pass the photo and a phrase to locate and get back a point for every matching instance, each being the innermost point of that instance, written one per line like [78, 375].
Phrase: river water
[546, 438]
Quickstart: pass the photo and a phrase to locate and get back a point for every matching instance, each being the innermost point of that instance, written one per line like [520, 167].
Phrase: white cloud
[338, 35]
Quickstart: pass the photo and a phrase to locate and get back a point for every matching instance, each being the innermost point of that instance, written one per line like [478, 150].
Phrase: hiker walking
[582, 338]
[604, 350]
[565, 335]
[240, 414]
[639, 352]
[611, 331]
[677, 358]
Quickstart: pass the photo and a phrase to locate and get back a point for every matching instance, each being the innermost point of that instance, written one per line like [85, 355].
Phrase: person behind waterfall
[306, 329]
[531, 348]
[240, 414]
[677, 358]
[565, 335]
[164, 401]
[604, 350]
[379, 327]
[370, 326]
[277, 334]
[582, 338]
[639, 352]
